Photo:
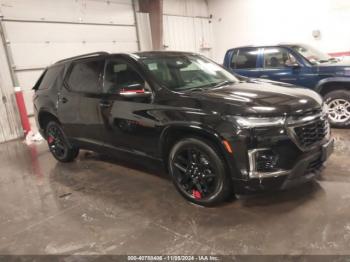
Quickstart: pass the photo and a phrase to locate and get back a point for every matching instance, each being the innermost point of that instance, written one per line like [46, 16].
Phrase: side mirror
[134, 90]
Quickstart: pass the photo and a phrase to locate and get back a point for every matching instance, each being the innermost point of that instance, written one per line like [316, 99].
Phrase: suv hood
[255, 97]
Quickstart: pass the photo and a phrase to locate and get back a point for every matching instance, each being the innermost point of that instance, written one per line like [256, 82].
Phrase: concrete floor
[97, 205]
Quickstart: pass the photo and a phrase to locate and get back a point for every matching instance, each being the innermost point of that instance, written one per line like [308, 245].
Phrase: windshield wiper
[207, 87]
[196, 89]
[223, 83]
[332, 59]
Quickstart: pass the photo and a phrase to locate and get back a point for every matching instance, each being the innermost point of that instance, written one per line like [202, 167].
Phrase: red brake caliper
[50, 139]
[196, 194]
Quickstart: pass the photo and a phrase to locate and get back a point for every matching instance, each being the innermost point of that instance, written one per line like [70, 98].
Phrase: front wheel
[338, 103]
[198, 172]
[58, 143]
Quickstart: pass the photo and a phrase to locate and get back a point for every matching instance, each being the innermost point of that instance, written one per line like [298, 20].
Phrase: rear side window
[48, 78]
[244, 58]
[85, 76]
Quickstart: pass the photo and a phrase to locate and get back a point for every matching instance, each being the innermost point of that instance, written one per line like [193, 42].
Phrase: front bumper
[308, 166]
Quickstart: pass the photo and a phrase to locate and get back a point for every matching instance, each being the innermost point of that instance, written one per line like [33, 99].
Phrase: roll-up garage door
[38, 33]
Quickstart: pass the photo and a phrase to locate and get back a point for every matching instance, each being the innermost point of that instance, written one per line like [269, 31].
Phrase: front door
[280, 65]
[126, 108]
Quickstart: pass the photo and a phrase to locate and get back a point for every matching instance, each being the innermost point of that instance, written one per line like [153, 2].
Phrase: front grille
[311, 112]
[310, 134]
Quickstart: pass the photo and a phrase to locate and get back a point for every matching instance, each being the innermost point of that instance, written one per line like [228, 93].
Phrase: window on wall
[120, 75]
[85, 76]
[244, 58]
[278, 58]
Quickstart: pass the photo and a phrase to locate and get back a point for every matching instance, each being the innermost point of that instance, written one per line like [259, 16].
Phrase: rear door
[79, 101]
[244, 61]
[280, 65]
[67, 107]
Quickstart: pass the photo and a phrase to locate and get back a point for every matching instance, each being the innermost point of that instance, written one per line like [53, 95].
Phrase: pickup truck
[300, 65]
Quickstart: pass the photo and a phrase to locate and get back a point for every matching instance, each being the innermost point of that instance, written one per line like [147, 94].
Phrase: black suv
[215, 133]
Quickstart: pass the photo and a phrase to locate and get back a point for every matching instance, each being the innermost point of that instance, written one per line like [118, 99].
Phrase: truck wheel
[58, 143]
[338, 103]
[198, 172]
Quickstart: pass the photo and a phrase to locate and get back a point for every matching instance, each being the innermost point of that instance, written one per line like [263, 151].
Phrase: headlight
[251, 122]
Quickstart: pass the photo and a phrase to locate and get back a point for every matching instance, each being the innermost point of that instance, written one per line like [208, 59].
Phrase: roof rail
[83, 56]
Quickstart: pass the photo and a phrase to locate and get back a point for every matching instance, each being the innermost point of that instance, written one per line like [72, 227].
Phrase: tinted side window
[49, 77]
[120, 75]
[85, 76]
[277, 58]
[244, 58]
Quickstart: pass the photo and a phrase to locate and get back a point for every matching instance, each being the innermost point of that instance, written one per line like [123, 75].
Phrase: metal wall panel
[84, 11]
[203, 36]
[10, 125]
[42, 32]
[144, 29]
[178, 33]
[188, 34]
[187, 26]
[40, 44]
[192, 8]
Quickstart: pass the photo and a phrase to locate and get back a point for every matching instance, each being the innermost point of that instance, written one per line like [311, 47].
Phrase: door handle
[105, 104]
[264, 76]
[64, 100]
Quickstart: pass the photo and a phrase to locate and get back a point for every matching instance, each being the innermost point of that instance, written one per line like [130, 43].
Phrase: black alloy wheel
[58, 144]
[198, 172]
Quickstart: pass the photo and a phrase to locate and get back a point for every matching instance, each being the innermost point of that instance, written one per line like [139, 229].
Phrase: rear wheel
[58, 143]
[338, 103]
[198, 172]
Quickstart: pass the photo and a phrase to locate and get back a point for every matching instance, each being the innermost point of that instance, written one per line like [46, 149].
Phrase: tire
[338, 103]
[58, 143]
[209, 184]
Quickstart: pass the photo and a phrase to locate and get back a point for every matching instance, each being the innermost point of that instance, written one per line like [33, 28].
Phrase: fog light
[265, 161]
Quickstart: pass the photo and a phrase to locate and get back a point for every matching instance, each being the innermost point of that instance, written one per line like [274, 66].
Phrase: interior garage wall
[255, 22]
[39, 33]
[187, 26]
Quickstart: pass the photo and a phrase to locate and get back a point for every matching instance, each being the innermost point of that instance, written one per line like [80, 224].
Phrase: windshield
[313, 55]
[187, 72]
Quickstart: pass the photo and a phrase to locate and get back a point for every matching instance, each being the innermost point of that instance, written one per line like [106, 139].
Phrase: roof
[139, 54]
[163, 53]
[267, 45]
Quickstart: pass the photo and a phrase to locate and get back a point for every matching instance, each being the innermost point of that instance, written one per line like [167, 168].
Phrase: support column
[155, 10]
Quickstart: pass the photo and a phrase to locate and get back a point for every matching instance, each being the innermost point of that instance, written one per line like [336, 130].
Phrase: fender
[194, 128]
[324, 81]
[44, 110]
[198, 129]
